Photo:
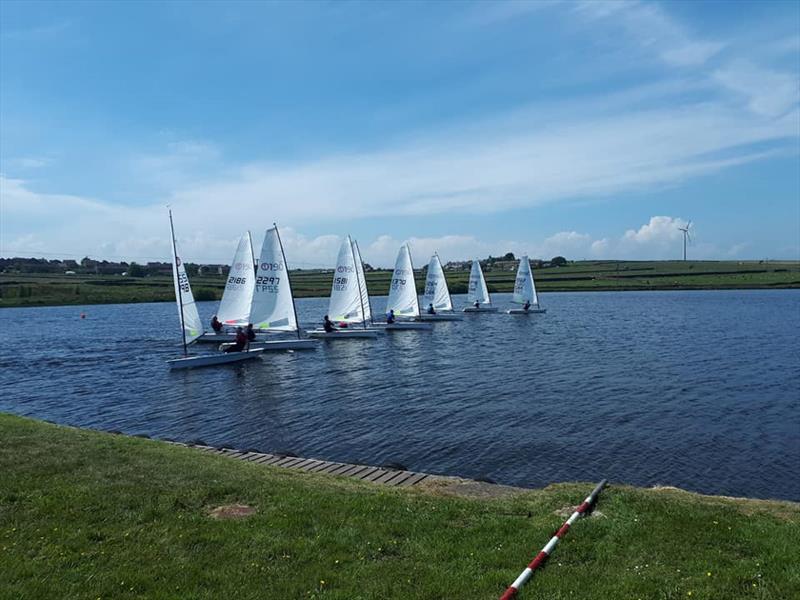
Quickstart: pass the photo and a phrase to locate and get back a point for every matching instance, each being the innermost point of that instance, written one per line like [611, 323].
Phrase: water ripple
[695, 389]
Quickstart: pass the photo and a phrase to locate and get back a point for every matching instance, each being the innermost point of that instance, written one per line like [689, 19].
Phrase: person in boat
[431, 310]
[526, 306]
[390, 317]
[241, 342]
[327, 325]
[477, 304]
[216, 325]
[250, 333]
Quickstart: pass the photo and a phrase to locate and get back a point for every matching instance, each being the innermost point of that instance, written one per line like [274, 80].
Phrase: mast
[486, 285]
[253, 254]
[447, 287]
[178, 275]
[371, 318]
[288, 279]
[358, 282]
[413, 279]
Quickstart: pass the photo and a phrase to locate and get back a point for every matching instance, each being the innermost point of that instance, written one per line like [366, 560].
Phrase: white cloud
[658, 230]
[303, 251]
[490, 168]
[736, 250]
[766, 92]
[142, 234]
[383, 250]
[492, 13]
[659, 238]
[769, 93]
[652, 28]
[179, 162]
[27, 162]
[564, 243]
[599, 248]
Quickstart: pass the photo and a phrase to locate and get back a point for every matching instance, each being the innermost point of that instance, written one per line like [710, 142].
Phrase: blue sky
[591, 130]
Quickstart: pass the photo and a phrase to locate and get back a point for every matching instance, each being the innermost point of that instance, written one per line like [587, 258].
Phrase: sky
[592, 130]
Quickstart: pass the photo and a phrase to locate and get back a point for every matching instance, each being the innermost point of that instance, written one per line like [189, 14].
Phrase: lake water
[699, 390]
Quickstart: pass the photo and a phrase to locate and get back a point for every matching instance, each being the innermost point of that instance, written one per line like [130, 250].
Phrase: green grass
[92, 515]
[44, 290]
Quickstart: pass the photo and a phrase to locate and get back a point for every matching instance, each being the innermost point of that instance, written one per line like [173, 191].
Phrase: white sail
[436, 291]
[477, 290]
[272, 307]
[524, 288]
[362, 282]
[345, 304]
[187, 309]
[234, 308]
[403, 290]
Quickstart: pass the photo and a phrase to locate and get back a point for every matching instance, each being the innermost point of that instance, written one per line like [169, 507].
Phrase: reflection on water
[695, 389]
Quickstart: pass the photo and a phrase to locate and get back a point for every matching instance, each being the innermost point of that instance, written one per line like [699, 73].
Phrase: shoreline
[378, 474]
[115, 516]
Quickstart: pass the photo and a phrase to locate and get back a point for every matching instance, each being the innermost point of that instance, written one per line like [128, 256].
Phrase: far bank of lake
[26, 289]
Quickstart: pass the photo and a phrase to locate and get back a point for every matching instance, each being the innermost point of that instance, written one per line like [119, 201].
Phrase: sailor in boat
[241, 342]
[215, 324]
[250, 333]
[526, 306]
[477, 304]
[390, 317]
[431, 310]
[327, 325]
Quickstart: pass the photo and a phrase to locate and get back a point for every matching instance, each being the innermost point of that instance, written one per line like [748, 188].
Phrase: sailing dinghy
[525, 290]
[477, 292]
[349, 301]
[234, 308]
[437, 294]
[403, 298]
[191, 326]
[272, 308]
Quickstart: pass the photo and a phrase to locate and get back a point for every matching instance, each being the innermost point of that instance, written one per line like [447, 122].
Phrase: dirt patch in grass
[566, 512]
[232, 511]
[466, 488]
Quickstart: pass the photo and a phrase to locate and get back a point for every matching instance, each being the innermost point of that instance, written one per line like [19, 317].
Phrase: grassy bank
[93, 515]
[43, 290]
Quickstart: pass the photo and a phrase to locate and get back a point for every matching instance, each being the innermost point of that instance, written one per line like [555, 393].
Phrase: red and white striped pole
[537, 562]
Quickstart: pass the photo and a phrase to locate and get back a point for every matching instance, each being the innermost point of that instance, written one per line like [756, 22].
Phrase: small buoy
[83, 315]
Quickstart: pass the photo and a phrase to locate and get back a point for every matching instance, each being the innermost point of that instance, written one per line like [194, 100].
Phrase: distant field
[47, 289]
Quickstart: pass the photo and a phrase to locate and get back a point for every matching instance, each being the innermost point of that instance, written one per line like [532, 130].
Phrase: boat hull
[279, 345]
[522, 311]
[259, 342]
[209, 360]
[408, 325]
[343, 334]
[441, 317]
[215, 338]
[482, 309]
[275, 345]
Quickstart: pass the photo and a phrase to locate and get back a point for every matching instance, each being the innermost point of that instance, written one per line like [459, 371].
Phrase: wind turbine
[686, 237]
